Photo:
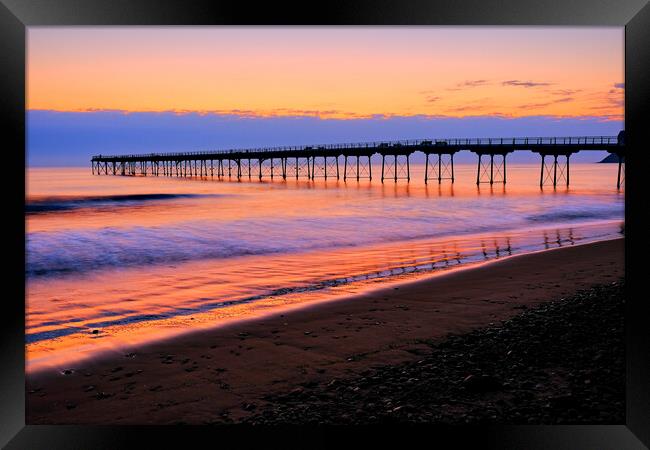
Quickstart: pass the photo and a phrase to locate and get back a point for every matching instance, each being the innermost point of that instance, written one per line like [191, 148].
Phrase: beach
[228, 373]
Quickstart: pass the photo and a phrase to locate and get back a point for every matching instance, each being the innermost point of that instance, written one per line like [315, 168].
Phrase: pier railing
[379, 145]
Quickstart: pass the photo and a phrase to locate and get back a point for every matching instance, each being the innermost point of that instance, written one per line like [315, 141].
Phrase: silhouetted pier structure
[324, 160]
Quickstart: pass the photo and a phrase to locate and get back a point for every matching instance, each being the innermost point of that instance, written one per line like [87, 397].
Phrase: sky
[111, 89]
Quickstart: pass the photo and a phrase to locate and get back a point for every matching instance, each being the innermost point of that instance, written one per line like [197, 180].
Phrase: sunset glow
[328, 72]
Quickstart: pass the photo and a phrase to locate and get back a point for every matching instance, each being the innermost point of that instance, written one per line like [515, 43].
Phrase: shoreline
[208, 375]
[244, 311]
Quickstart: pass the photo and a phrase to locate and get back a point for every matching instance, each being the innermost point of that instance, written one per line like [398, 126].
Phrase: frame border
[16, 15]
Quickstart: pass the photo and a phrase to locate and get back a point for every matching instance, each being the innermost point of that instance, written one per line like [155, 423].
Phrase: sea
[119, 261]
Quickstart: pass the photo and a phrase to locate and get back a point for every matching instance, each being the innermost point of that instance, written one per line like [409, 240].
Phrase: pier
[353, 161]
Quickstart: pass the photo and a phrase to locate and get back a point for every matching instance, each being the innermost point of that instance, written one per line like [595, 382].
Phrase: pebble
[463, 379]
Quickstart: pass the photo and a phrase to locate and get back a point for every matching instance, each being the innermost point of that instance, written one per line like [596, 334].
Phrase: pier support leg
[395, 167]
[491, 169]
[553, 175]
[621, 171]
[345, 168]
[408, 169]
[383, 158]
[358, 174]
[452, 168]
[495, 172]
[369, 169]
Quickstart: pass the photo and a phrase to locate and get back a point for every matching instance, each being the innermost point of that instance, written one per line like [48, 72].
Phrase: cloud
[472, 83]
[566, 92]
[468, 84]
[432, 98]
[535, 105]
[545, 104]
[619, 85]
[526, 84]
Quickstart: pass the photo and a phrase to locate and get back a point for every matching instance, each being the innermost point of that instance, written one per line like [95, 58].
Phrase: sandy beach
[225, 373]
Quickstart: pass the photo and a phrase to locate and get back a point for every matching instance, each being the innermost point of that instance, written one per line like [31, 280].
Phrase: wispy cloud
[565, 92]
[545, 104]
[468, 84]
[432, 98]
[619, 85]
[473, 83]
[526, 84]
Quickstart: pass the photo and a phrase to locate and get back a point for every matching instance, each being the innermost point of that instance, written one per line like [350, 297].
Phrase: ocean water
[114, 261]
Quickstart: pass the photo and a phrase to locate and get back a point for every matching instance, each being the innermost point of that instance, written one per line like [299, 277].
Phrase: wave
[564, 215]
[71, 251]
[55, 204]
[57, 253]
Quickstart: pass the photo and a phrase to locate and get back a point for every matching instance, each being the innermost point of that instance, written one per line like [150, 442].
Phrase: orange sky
[329, 71]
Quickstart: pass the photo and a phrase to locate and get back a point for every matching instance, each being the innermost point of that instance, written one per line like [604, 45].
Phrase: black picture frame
[16, 15]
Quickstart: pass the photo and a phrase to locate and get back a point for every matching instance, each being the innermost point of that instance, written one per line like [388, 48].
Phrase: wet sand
[224, 374]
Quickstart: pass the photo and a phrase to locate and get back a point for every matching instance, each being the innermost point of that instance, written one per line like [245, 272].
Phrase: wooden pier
[325, 160]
